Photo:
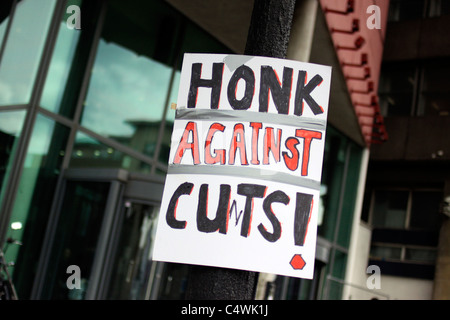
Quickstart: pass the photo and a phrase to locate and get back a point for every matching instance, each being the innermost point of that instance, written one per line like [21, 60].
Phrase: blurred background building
[85, 126]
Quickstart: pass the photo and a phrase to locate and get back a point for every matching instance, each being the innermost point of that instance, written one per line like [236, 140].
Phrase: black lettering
[277, 196]
[281, 93]
[215, 83]
[303, 92]
[245, 73]
[250, 191]
[184, 188]
[301, 219]
[220, 222]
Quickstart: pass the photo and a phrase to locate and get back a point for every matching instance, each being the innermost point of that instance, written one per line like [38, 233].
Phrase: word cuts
[242, 189]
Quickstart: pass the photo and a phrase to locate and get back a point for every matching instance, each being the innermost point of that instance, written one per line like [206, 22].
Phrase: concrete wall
[406, 288]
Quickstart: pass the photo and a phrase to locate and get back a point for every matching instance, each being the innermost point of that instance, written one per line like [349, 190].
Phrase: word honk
[270, 85]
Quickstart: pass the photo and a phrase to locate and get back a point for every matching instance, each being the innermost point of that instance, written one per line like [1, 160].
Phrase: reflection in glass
[130, 81]
[133, 265]
[90, 153]
[396, 89]
[125, 91]
[59, 70]
[425, 209]
[76, 237]
[69, 59]
[424, 255]
[4, 18]
[385, 252]
[10, 127]
[390, 209]
[23, 50]
[34, 198]
[401, 10]
[332, 175]
[434, 98]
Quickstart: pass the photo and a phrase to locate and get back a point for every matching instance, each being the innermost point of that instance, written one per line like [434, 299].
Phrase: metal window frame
[95, 289]
[408, 205]
[8, 29]
[16, 169]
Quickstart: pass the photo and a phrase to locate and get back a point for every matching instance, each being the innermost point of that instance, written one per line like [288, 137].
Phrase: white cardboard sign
[242, 189]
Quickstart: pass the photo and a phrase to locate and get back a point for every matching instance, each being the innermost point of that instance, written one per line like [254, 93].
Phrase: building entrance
[100, 238]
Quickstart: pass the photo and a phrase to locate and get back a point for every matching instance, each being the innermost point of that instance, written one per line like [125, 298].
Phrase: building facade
[85, 125]
[404, 225]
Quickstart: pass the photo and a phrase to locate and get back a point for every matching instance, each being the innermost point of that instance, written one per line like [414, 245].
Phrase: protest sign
[242, 188]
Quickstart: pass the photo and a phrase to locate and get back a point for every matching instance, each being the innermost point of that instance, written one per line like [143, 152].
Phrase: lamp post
[268, 36]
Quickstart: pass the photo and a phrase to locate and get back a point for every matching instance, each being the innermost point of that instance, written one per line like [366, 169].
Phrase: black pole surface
[270, 28]
[268, 36]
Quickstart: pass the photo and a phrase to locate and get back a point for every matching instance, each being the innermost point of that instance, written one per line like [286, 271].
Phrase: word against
[243, 183]
[374, 21]
[374, 280]
[74, 280]
[252, 144]
[74, 20]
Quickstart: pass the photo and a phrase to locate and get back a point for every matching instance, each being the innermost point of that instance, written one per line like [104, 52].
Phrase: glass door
[104, 225]
[83, 222]
[76, 238]
[134, 272]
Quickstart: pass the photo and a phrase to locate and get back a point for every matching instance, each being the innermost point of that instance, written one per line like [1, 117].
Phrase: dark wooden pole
[268, 36]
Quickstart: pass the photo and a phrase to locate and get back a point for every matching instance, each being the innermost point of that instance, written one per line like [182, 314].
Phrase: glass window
[396, 89]
[434, 97]
[424, 255]
[11, 123]
[136, 74]
[444, 7]
[76, 237]
[67, 65]
[133, 265]
[425, 210]
[400, 10]
[90, 153]
[34, 198]
[23, 50]
[5, 10]
[338, 190]
[129, 87]
[385, 252]
[380, 251]
[390, 209]
[438, 8]
[332, 175]
[413, 219]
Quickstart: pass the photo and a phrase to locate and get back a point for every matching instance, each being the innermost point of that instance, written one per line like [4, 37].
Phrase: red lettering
[291, 162]
[238, 143]
[271, 146]
[184, 144]
[255, 134]
[307, 135]
[219, 154]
